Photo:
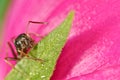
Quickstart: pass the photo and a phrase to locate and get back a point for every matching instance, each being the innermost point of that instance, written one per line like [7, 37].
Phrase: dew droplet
[28, 79]
[30, 73]
[43, 76]
[46, 68]
[42, 64]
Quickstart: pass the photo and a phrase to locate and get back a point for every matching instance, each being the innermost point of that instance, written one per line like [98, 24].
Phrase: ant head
[23, 42]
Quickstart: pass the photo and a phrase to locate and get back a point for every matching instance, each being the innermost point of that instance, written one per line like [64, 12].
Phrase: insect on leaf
[48, 50]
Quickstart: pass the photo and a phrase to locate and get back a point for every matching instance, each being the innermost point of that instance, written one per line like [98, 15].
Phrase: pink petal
[108, 73]
[92, 51]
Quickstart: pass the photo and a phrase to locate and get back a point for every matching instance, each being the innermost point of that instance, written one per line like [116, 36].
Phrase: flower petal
[93, 44]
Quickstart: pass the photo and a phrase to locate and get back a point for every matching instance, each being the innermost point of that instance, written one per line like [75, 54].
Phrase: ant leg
[23, 54]
[36, 59]
[35, 22]
[13, 52]
[28, 57]
[15, 58]
[37, 35]
[13, 39]
[7, 59]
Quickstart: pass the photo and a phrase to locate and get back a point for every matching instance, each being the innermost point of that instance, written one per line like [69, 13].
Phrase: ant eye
[18, 43]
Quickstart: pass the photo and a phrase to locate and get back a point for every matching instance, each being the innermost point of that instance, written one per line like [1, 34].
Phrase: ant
[23, 43]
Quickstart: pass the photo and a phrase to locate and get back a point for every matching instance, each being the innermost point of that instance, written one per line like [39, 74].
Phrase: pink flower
[93, 49]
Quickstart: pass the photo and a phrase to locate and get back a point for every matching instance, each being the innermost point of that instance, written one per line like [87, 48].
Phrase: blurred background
[4, 5]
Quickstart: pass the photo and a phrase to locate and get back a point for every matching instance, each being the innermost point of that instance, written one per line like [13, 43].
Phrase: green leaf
[48, 50]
